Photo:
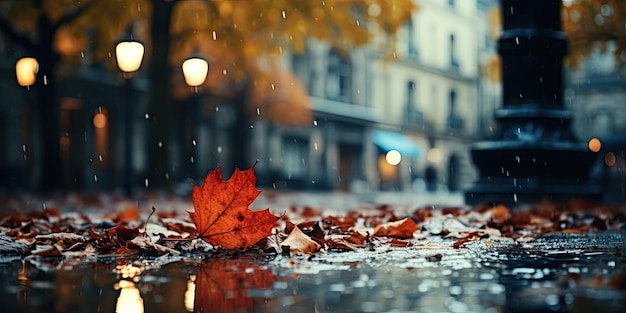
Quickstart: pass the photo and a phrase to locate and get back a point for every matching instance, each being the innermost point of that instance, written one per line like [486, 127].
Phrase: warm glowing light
[26, 71]
[609, 159]
[190, 293]
[195, 71]
[130, 299]
[595, 145]
[393, 157]
[129, 55]
[434, 155]
[100, 120]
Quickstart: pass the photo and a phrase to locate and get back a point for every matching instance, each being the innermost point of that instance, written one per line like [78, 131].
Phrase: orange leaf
[402, 229]
[222, 216]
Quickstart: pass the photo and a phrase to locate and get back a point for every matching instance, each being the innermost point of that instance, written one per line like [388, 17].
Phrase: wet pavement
[556, 273]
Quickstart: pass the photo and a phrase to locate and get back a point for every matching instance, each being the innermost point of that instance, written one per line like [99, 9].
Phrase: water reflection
[129, 300]
[544, 276]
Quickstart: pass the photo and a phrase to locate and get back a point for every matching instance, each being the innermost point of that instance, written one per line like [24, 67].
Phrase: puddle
[556, 274]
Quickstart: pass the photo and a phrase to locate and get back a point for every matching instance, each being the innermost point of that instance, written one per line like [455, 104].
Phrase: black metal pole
[534, 154]
[128, 134]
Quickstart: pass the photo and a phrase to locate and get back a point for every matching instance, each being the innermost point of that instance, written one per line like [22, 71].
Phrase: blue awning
[387, 141]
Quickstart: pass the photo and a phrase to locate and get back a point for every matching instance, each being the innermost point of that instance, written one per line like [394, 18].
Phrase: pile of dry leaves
[222, 221]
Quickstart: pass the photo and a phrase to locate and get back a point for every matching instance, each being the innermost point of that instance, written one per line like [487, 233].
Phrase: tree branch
[73, 14]
[13, 35]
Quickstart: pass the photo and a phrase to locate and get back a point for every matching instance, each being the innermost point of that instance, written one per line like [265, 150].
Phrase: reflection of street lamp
[26, 71]
[128, 54]
[195, 69]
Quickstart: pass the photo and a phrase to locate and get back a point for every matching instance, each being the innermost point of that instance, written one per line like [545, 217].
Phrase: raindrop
[160, 144]
[358, 23]
[541, 79]
[515, 197]
[217, 109]
[193, 142]
[274, 185]
[219, 149]
[518, 159]
[511, 10]
[147, 116]
[273, 87]
[82, 55]
[191, 159]
[312, 182]
[167, 176]
[517, 40]
[521, 96]
[214, 35]
[45, 79]
[251, 126]
[258, 111]
[95, 178]
[284, 14]
[314, 122]
[145, 182]
[24, 148]
[100, 157]
[225, 72]
[315, 146]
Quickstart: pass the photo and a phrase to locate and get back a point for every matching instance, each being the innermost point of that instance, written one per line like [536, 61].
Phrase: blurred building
[318, 119]
[596, 94]
[427, 101]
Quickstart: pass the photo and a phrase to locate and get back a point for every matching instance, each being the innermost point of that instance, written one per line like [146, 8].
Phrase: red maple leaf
[222, 216]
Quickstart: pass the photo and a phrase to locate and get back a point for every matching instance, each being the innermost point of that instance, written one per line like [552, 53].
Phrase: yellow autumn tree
[589, 23]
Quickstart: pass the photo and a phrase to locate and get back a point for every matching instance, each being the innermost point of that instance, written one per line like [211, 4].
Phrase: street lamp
[195, 69]
[26, 71]
[128, 54]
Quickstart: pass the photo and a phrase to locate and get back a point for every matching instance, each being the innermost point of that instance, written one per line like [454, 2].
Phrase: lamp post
[128, 54]
[195, 70]
[534, 154]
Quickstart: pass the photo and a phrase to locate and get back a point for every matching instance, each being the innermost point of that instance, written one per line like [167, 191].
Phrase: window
[413, 116]
[300, 65]
[454, 63]
[339, 78]
[412, 45]
[295, 158]
[454, 120]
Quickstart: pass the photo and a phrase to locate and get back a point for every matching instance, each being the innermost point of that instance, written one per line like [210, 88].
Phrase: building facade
[330, 123]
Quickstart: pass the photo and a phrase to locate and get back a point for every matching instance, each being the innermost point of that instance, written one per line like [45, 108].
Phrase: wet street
[556, 273]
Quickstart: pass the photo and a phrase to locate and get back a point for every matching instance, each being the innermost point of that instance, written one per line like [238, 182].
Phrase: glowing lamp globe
[129, 55]
[393, 157]
[26, 71]
[195, 71]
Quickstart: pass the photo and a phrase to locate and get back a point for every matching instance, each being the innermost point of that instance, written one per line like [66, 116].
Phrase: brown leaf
[298, 242]
[402, 229]
[222, 216]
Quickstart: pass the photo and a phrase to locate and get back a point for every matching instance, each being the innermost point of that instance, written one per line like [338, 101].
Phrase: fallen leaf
[298, 242]
[222, 216]
[402, 229]
[128, 215]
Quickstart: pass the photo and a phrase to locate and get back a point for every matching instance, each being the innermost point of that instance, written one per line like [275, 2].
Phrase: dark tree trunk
[159, 107]
[47, 109]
